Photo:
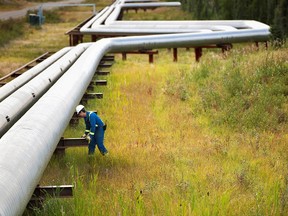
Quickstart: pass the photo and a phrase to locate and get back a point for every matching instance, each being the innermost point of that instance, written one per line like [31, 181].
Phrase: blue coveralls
[94, 126]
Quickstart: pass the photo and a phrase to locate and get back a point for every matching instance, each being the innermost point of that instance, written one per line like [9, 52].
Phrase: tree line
[272, 12]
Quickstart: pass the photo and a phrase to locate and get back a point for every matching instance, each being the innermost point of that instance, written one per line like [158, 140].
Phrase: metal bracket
[69, 142]
[105, 65]
[102, 73]
[93, 95]
[101, 82]
[42, 192]
[108, 58]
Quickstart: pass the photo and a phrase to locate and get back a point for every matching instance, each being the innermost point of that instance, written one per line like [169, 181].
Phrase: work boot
[105, 153]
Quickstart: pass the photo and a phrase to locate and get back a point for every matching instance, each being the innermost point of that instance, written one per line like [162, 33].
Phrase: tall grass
[248, 92]
[167, 156]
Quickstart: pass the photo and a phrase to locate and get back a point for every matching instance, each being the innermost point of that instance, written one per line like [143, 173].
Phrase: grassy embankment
[185, 138]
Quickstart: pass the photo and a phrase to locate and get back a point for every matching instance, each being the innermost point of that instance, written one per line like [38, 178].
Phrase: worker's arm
[92, 124]
[87, 127]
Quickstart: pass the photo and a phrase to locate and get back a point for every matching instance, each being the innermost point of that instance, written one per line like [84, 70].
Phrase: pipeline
[13, 107]
[107, 23]
[123, 5]
[16, 83]
[29, 144]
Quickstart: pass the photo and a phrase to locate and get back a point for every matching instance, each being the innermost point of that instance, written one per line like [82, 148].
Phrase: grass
[248, 92]
[35, 40]
[165, 159]
[10, 30]
[181, 139]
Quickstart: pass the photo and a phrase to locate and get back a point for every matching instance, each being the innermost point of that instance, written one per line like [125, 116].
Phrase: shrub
[11, 29]
[240, 93]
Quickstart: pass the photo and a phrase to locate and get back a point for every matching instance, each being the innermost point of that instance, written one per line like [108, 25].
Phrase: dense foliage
[271, 12]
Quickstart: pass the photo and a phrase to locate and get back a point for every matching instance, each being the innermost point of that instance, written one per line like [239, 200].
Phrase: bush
[240, 93]
[11, 29]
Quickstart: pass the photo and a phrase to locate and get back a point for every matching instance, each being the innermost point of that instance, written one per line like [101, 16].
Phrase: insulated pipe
[96, 19]
[118, 8]
[115, 27]
[149, 31]
[101, 19]
[144, 28]
[25, 150]
[167, 28]
[238, 24]
[122, 31]
[16, 83]
[13, 107]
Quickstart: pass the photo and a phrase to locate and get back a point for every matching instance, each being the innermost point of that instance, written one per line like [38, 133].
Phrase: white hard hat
[79, 108]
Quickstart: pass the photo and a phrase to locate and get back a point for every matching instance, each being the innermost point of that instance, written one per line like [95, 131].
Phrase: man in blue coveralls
[95, 129]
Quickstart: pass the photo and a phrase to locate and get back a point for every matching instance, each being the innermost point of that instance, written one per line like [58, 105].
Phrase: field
[185, 138]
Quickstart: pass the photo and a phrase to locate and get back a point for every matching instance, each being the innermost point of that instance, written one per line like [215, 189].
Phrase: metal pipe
[29, 144]
[122, 31]
[172, 28]
[130, 32]
[122, 5]
[16, 83]
[13, 107]
[238, 24]
[115, 27]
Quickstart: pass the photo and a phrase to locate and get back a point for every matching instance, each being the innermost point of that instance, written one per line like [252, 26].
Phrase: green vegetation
[173, 148]
[247, 92]
[34, 40]
[271, 12]
[10, 30]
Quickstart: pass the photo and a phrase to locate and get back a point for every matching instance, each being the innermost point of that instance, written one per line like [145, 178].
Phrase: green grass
[167, 157]
[247, 92]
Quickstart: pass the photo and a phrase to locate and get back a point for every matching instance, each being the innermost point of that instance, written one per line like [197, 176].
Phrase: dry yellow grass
[163, 159]
[37, 41]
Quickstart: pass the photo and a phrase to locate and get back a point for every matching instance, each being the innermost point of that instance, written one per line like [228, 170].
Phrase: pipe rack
[26, 148]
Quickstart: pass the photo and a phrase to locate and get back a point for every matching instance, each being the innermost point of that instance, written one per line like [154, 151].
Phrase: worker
[95, 129]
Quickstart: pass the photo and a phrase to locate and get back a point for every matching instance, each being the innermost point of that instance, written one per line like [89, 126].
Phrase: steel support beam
[42, 192]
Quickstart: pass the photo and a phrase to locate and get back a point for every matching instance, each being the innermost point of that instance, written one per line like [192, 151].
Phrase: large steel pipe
[16, 83]
[237, 24]
[116, 27]
[14, 106]
[119, 7]
[27, 147]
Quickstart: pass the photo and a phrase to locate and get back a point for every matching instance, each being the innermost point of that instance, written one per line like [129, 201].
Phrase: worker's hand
[88, 138]
[84, 136]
